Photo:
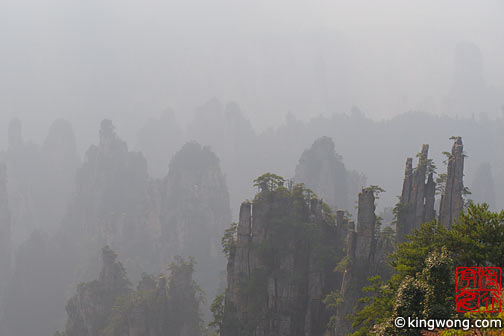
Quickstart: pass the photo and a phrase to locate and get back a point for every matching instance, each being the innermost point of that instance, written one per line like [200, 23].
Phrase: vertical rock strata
[41, 178]
[416, 204]
[90, 307]
[150, 221]
[452, 202]
[322, 170]
[276, 281]
[361, 245]
[277, 276]
[281, 265]
[107, 307]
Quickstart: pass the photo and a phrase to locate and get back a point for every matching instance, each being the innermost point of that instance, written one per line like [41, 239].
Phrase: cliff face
[323, 171]
[195, 211]
[283, 258]
[36, 172]
[196, 207]
[111, 187]
[361, 250]
[280, 265]
[151, 220]
[452, 202]
[147, 221]
[107, 307]
[416, 204]
[104, 209]
[60, 163]
[89, 309]
[159, 308]
[22, 160]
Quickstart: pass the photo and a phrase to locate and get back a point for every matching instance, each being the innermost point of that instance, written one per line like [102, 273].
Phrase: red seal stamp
[478, 289]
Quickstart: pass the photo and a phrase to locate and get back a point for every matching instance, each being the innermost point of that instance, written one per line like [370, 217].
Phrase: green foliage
[438, 279]
[386, 243]
[447, 155]
[117, 323]
[424, 296]
[329, 216]
[387, 235]
[291, 232]
[229, 240]
[332, 301]
[217, 309]
[424, 162]
[269, 182]
[430, 167]
[425, 266]
[376, 190]
[410, 255]
[477, 238]
[480, 315]
[398, 208]
[343, 264]
[102, 294]
[441, 183]
[378, 224]
[110, 308]
[378, 305]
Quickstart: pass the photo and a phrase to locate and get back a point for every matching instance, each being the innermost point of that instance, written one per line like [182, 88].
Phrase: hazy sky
[128, 60]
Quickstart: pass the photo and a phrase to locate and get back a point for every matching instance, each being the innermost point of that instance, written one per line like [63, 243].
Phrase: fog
[128, 60]
[141, 126]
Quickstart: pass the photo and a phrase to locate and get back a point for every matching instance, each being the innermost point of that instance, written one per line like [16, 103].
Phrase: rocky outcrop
[107, 307]
[111, 187]
[361, 250]
[452, 201]
[37, 172]
[278, 280]
[417, 200]
[279, 269]
[108, 207]
[147, 221]
[159, 308]
[195, 212]
[416, 204]
[23, 162]
[322, 170]
[60, 162]
[196, 208]
[89, 309]
[224, 128]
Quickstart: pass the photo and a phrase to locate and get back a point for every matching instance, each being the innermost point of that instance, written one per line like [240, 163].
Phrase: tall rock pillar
[416, 204]
[452, 202]
[361, 247]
